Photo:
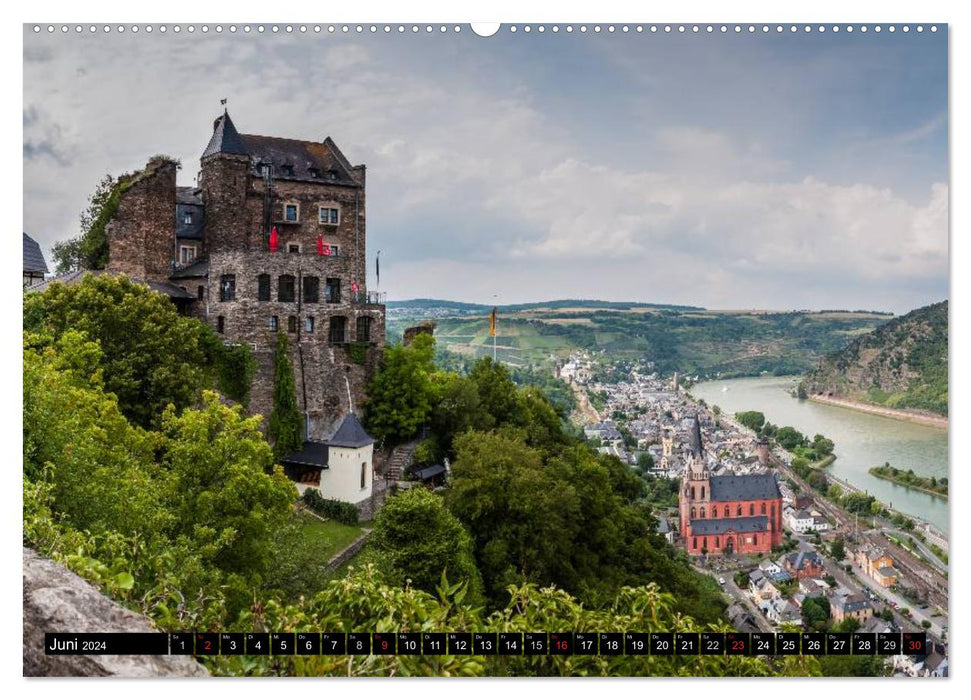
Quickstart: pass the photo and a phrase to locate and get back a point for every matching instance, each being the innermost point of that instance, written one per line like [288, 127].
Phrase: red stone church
[727, 513]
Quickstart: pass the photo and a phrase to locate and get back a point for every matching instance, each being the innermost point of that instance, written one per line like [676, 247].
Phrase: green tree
[645, 462]
[420, 540]
[789, 438]
[228, 497]
[401, 394]
[151, 355]
[822, 446]
[285, 428]
[89, 250]
[838, 549]
[815, 612]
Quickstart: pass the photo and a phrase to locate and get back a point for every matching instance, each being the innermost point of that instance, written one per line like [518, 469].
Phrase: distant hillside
[464, 307]
[901, 364]
[689, 341]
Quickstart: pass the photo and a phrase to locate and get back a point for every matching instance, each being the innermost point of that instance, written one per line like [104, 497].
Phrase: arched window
[751, 509]
[738, 510]
[755, 538]
[694, 543]
[363, 474]
[702, 512]
[274, 323]
[702, 493]
[773, 511]
[717, 542]
[704, 543]
[692, 493]
[763, 509]
[693, 512]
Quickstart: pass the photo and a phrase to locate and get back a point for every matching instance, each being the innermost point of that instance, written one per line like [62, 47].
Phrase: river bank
[877, 472]
[899, 414]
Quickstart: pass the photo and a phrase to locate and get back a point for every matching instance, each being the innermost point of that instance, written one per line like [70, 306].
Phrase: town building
[35, 267]
[271, 240]
[850, 605]
[878, 565]
[727, 513]
[804, 564]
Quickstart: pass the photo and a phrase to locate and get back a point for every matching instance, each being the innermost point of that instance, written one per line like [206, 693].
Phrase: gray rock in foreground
[58, 600]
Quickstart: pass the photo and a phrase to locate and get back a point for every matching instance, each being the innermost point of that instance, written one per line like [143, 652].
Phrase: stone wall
[344, 556]
[141, 235]
[58, 600]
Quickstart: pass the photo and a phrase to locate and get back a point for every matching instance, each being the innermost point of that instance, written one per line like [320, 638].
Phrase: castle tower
[224, 180]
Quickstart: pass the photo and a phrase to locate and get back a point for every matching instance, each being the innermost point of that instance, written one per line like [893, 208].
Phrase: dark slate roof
[33, 258]
[199, 268]
[853, 603]
[719, 526]
[188, 195]
[694, 439]
[312, 454]
[427, 473]
[300, 160]
[193, 230]
[169, 290]
[350, 434]
[800, 560]
[225, 138]
[744, 487]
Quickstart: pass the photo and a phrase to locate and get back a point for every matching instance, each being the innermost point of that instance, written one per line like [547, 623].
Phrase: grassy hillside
[689, 340]
[902, 364]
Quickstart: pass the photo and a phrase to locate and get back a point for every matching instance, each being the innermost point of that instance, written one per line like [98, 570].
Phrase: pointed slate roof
[225, 138]
[694, 443]
[350, 434]
[33, 258]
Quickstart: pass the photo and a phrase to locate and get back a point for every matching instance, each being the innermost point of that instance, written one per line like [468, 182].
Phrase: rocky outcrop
[901, 364]
[56, 599]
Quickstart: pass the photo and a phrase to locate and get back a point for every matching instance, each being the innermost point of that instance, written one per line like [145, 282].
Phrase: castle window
[364, 329]
[291, 213]
[293, 248]
[286, 289]
[694, 543]
[702, 493]
[274, 324]
[263, 290]
[201, 292]
[287, 170]
[291, 324]
[227, 288]
[187, 219]
[187, 253]
[308, 324]
[220, 324]
[311, 290]
[337, 329]
[363, 474]
[332, 292]
[692, 493]
[718, 542]
[773, 511]
[266, 169]
[329, 215]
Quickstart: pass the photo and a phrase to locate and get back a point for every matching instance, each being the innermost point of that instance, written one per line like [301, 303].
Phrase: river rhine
[863, 440]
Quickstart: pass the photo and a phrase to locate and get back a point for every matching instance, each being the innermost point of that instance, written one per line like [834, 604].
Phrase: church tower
[696, 490]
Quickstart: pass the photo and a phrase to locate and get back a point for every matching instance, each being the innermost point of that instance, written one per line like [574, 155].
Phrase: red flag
[274, 243]
[320, 245]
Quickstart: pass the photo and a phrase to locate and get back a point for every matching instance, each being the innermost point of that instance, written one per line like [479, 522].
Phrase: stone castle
[272, 240]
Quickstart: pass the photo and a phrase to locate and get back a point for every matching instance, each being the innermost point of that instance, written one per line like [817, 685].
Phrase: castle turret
[224, 180]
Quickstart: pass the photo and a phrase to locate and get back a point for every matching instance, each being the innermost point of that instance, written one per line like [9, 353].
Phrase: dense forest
[902, 364]
[144, 473]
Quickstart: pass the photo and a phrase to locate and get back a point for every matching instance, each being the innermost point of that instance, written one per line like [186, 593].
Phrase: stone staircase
[400, 459]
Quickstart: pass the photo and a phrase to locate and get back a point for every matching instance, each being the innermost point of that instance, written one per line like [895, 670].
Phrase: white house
[341, 468]
[801, 521]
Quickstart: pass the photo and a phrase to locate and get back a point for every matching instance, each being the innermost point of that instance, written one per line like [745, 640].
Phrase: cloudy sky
[728, 171]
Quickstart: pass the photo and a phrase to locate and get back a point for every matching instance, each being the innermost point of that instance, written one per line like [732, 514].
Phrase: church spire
[225, 138]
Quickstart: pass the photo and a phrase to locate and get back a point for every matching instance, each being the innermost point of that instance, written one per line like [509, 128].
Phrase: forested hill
[901, 364]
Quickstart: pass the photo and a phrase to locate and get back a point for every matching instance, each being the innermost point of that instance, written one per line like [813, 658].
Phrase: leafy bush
[329, 508]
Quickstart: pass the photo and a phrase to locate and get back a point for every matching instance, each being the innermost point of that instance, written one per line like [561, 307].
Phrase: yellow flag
[492, 323]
